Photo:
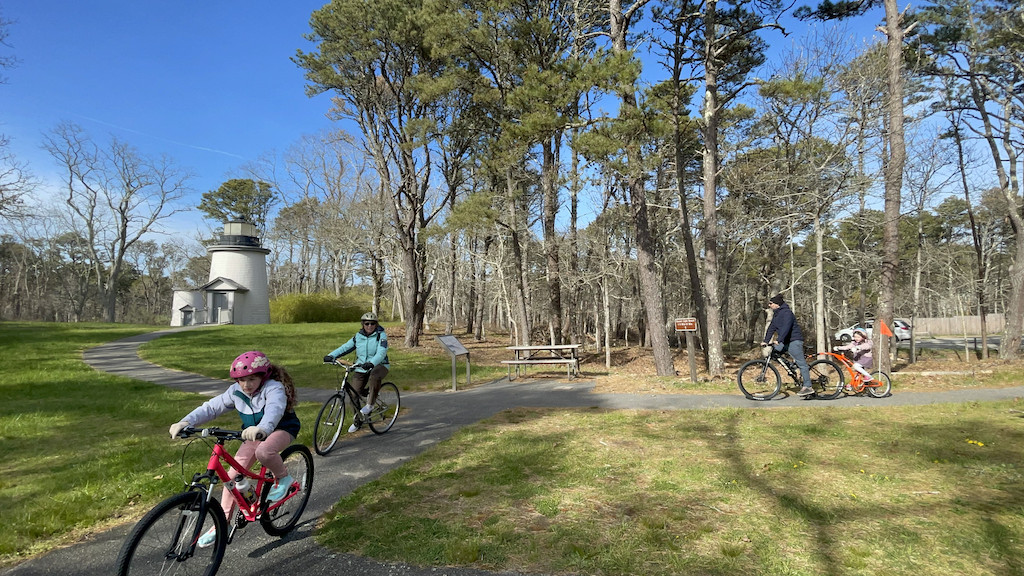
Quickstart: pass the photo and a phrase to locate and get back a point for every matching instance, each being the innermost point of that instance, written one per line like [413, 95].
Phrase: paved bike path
[426, 419]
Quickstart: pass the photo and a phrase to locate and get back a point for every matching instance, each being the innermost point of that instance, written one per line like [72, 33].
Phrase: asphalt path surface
[426, 419]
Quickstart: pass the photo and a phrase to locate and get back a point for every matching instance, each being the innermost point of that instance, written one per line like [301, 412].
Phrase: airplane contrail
[159, 138]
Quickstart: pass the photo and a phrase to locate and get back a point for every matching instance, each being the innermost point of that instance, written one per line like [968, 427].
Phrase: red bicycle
[167, 536]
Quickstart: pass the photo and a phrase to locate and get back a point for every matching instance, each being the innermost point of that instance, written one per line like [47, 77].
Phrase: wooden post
[691, 353]
[689, 326]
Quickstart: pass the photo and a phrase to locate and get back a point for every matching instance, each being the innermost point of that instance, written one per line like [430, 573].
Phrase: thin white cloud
[159, 138]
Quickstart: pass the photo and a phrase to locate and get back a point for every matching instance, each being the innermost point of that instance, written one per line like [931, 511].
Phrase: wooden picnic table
[544, 354]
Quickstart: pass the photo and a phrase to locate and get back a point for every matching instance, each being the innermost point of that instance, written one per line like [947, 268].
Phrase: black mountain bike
[760, 379]
[332, 417]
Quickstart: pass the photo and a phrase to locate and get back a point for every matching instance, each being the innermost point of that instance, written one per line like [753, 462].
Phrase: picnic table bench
[534, 355]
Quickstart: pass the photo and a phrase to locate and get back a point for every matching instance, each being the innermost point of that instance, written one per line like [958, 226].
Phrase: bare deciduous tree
[115, 196]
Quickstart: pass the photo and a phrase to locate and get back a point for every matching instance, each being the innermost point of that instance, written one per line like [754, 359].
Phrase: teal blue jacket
[372, 347]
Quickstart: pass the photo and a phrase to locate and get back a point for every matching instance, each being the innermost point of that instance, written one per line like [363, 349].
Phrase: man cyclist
[371, 347]
[789, 338]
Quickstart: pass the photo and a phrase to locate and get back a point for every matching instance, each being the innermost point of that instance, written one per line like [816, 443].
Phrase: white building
[237, 292]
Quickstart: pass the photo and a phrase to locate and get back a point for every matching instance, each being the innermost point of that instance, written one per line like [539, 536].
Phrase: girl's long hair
[281, 375]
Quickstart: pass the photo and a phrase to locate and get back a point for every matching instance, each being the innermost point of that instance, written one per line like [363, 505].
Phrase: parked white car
[900, 329]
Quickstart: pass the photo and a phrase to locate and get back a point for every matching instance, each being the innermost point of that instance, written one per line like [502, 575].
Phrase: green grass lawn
[903, 490]
[913, 490]
[83, 450]
[300, 348]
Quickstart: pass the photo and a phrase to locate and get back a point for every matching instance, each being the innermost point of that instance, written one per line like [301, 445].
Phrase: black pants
[375, 377]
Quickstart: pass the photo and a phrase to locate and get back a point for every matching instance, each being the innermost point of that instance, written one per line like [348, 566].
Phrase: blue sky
[210, 83]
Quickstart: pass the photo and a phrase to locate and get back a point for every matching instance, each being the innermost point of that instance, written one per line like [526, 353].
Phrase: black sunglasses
[369, 323]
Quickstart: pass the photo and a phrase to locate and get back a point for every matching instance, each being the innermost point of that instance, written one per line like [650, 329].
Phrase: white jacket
[265, 408]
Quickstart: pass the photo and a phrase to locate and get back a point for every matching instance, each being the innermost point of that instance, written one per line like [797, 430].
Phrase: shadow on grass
[990, 542]
[625, 492]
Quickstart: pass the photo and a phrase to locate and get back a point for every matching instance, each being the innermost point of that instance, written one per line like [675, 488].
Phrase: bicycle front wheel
[164, 541]
[759, 380]
[385, 409]
[826, 379]
[880, 385]
[328, 424]
[283, 518]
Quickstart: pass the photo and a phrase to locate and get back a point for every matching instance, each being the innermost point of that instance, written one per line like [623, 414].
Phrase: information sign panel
[686, 324]
[456, 349]
[453, 345]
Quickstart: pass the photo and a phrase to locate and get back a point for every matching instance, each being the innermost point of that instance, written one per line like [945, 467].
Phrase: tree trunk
[481, 293]
[607, 307]
[976, 238]
[893, 171]
[574, 306]
[411, 288]
[550, 192]
[696, 293]
[713, 306]
[522, 289]
[453, 261]
[819, 286]
[650, 285]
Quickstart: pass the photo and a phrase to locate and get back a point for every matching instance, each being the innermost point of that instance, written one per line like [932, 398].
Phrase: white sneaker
[366, 409]
[353, 428]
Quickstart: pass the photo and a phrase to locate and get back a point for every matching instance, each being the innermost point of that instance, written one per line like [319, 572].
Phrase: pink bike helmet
[248, 363]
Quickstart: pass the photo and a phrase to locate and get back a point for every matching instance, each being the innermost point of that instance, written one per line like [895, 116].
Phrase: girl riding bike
[264, 396]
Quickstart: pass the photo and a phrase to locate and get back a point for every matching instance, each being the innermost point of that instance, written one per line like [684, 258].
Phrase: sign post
[689, 326]
[456, 349]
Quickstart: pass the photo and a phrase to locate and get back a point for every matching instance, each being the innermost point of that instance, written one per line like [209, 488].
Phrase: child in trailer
[860, 351]
[264, 396]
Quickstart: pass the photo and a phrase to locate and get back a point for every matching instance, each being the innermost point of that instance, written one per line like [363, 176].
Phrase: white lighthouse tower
[237, 292]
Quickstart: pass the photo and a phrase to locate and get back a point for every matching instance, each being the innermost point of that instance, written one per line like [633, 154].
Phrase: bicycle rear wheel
[759, 380]
[164, 541]
[880, 385]
[826, 379]
[328, 424]
[385, 409]
[281, 520]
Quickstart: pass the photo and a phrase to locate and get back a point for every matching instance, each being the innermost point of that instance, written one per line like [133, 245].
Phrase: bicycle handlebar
[341, 363]
[221, 433]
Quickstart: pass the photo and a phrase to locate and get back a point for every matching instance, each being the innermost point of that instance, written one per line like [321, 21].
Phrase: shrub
[321, 307]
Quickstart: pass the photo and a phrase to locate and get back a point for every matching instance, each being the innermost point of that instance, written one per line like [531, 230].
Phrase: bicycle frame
[780, 358]
[343, 385]
[215, 469]
[857, 380]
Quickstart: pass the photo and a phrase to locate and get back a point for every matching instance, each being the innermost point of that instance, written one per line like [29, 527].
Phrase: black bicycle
[760, 379]
[333, 415]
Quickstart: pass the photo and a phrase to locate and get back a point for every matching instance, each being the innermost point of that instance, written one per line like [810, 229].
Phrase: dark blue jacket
[784, 323]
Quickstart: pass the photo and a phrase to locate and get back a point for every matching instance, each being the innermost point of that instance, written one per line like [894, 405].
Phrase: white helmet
[369, 317]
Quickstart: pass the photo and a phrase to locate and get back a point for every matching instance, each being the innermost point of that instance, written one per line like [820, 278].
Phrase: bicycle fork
[191, 522]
